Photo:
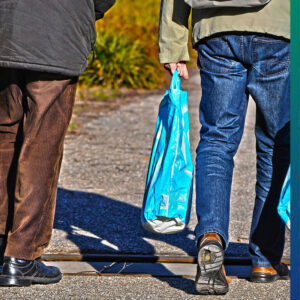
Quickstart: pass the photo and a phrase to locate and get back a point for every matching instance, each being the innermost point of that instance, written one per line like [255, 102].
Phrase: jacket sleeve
[102, 6]
[173, 31]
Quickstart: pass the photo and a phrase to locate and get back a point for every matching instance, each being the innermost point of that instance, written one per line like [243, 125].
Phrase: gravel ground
[99, 205]
[132, 288]
[103, 177]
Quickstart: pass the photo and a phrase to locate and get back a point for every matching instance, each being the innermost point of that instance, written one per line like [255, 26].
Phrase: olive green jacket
[272, 19]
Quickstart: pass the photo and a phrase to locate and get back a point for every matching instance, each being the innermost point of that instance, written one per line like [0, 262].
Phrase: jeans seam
[243, 49]
[227, 71]
[270, 75]
[262, 41]
[202, 60]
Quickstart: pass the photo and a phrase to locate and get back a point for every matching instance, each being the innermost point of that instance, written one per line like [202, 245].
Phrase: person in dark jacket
[44, 47]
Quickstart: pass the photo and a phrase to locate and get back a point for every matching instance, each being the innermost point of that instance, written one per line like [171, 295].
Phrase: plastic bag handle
[175, 82]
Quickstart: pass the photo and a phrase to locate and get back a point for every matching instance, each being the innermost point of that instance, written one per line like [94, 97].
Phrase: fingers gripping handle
[175, 82]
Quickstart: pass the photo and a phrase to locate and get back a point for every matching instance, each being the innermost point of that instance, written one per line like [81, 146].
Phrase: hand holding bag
[168, 192]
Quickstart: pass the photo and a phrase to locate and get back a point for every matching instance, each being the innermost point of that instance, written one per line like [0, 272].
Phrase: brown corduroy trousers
[35, 111]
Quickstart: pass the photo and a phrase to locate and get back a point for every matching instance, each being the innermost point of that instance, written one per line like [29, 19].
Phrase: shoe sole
[263, 278]
[26, 281]
[209, 280]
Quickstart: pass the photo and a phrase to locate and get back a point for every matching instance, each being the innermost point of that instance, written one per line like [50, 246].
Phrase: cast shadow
[99, 224]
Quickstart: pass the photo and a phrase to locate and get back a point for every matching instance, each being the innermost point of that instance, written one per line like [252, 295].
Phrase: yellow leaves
[126, 50]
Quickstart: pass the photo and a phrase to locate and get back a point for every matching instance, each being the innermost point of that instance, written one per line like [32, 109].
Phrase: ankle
[211, 236]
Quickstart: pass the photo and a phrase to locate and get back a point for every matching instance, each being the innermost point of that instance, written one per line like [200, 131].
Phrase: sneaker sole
[26, 281]
[209, 280]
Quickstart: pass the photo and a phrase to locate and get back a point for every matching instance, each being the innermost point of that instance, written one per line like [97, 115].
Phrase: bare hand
[180, 67]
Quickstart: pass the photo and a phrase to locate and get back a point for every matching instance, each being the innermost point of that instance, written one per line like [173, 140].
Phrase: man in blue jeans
[241, 52]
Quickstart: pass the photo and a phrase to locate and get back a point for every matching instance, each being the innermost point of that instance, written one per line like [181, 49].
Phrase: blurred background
[126, 50]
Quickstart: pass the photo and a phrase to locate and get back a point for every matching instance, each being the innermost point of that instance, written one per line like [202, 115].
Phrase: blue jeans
[232, 66]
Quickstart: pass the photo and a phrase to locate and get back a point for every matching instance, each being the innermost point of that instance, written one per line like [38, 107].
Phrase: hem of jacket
[197, 38]
[41, 67]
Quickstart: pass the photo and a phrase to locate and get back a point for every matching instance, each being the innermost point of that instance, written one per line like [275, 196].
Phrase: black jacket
[49, 35]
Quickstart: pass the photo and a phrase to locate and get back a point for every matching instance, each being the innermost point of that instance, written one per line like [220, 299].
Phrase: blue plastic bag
[169, 184]
[284, 206]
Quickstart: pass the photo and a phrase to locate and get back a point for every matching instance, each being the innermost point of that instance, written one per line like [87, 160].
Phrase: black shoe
[3, 239]
[211, 278]
[19, 272]
[270, 274]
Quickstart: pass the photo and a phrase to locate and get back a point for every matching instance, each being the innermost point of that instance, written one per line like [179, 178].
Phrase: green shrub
[120, 61]
[126, 50]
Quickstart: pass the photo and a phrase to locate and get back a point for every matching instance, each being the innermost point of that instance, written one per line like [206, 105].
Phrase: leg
[222, 116]
[269, 87]
[48, 110]
[11, 116]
